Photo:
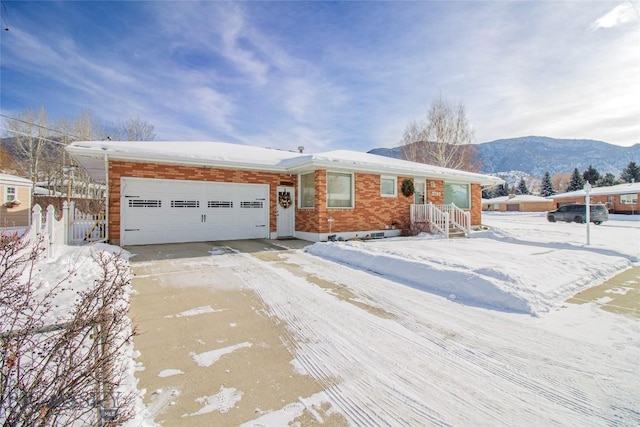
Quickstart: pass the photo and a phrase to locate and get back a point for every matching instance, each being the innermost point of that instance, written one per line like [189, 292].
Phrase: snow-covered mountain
[536, 155]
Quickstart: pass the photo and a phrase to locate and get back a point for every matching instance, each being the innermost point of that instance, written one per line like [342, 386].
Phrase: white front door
[286, 211]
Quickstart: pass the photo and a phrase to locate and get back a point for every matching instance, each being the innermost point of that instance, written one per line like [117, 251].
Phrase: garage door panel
[165, 211]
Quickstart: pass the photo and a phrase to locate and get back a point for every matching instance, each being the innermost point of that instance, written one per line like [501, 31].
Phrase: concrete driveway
[259, 333]
[210, 355]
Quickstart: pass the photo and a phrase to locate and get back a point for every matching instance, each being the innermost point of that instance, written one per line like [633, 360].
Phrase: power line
[39, 126]
[38, 137]
[6, 13]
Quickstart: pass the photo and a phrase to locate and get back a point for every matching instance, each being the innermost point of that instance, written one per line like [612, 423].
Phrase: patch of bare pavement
[210, 355]
[620, 294]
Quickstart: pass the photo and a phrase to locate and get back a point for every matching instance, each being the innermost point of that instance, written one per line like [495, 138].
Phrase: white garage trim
[171, 211]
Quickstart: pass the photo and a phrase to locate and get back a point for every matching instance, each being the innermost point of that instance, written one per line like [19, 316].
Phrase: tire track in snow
[551, 382]
[359, 382]
[364, 410]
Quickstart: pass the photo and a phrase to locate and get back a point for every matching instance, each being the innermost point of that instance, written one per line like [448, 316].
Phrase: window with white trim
[11, 194]
[339, 190]
[458, 194]
[308, 190]
[629, 199]
[388, 186]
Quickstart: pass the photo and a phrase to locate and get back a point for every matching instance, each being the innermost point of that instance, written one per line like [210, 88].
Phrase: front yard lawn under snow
[522, 263]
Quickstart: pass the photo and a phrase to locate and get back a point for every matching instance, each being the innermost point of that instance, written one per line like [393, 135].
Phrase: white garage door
[171, 211]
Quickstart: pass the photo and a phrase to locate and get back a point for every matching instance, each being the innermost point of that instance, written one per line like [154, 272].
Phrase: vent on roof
[378, 235]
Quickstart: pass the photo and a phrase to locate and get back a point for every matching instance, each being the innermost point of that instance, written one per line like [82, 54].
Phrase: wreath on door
[407, 188]
[284, 199]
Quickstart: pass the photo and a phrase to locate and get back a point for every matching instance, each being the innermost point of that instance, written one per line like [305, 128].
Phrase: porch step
[456, 233]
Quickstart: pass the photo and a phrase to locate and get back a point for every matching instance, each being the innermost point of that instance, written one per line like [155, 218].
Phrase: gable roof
[626, 188]
[92, 155]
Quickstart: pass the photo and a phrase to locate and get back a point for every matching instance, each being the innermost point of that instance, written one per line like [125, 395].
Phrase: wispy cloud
[329, 75]
[619, 15]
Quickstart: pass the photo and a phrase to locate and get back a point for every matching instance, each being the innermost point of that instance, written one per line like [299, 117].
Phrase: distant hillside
[536, 155]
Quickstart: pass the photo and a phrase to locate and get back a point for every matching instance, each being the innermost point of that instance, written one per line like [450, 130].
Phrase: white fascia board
[80, 153]
[295, 164]
[450, 175]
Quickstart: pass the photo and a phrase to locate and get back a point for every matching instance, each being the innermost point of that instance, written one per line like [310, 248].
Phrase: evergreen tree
[631, 173]
[546, 188]
[522, 187]
[501, 190]
[591, 174]
[576, 182]
[607, 180]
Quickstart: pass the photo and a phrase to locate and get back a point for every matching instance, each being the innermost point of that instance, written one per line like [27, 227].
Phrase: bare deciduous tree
[65, 370]
[561, 180]
[134, 129]
[443, 138]
[30, 132]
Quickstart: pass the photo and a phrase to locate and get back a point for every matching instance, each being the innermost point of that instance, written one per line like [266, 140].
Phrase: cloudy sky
[328, 75]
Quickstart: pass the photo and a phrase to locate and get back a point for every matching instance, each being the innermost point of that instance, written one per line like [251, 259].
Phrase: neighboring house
[518, 203]
[162, 192]
[79, 188]
[621, 198]
[15, 210]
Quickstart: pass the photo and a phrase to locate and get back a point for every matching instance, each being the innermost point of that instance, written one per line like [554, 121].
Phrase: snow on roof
[194, 151]
[626, 188]
[91, 154]
[13, 179]
[519, 198]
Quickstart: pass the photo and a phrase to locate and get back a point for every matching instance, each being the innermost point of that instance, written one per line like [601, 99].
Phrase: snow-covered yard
[427, 331]
[425, 359]
[521, 264]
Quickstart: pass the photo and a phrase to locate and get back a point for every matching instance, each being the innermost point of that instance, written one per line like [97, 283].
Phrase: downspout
[106, 197]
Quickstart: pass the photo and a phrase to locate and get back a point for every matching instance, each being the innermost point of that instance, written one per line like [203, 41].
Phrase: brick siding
[371, 211]
[120, 169]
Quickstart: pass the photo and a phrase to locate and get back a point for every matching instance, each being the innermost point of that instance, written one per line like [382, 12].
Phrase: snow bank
[523, 264]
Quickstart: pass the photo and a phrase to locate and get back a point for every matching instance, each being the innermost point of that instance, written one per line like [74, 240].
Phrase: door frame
[290, 212]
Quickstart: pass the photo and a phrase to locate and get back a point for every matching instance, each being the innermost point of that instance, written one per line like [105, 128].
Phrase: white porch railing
[431, 215]
[459, 218]
[442, 217]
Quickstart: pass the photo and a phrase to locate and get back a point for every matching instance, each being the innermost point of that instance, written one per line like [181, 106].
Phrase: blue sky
[328, 75]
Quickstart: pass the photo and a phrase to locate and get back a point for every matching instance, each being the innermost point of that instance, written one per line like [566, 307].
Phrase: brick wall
[476, 204]
[371, 212]
[435, 192]
[119, 169]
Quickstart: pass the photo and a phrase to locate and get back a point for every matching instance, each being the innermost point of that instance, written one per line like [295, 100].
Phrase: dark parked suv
[578, 213]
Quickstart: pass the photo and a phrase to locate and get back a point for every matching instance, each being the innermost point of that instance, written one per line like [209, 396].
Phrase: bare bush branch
[62, 370]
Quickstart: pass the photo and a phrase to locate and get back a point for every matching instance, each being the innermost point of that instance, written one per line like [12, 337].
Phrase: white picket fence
[72, 229]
